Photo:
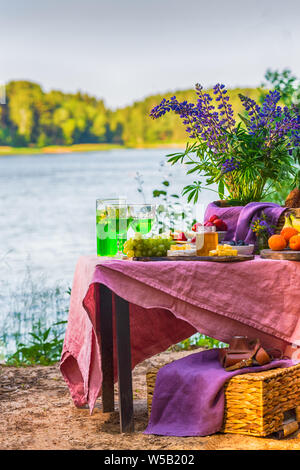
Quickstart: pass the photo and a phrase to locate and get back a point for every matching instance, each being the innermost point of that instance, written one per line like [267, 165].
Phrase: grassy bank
[55, 149]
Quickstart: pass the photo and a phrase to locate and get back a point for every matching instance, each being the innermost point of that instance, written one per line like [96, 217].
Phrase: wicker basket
[281, 220]
[256, 404]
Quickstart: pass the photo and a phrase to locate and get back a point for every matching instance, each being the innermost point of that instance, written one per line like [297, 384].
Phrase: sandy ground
[36, 412]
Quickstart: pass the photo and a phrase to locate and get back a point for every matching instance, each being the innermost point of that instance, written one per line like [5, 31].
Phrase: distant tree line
[33, 117]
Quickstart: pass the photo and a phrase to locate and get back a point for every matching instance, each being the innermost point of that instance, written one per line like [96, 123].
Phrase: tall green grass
[32, 331]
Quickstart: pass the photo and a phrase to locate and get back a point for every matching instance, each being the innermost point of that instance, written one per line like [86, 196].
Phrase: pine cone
[293, 199]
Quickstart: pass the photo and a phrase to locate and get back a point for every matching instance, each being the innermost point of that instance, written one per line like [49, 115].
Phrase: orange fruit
[295, 242]
[277, 242]
[288, 232]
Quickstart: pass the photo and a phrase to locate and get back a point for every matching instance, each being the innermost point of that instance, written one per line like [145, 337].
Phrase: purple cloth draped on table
[239, 218]
[189, 398]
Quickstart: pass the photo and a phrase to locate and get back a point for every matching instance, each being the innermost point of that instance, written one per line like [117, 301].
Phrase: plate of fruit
[286, 244]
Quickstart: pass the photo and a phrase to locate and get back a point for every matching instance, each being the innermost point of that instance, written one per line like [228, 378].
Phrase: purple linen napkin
[188, 397]
[239, 218]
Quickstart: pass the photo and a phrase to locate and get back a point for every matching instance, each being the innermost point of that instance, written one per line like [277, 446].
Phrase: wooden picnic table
[123, 312]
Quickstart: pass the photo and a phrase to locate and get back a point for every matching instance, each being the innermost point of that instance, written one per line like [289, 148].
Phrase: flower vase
[261, 243]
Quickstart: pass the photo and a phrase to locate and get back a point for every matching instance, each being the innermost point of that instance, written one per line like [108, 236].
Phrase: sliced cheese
[224, 250]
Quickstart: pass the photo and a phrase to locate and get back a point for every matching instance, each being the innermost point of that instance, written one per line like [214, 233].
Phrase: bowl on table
[242, 249]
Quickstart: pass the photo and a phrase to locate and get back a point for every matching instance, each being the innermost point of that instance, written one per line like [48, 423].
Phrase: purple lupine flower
[213, 132]
[187, 112]
[202, 120]
[227, 111]
[251, 107]
[229, 165]
[269, 107]
[275, 122]
[214, 125]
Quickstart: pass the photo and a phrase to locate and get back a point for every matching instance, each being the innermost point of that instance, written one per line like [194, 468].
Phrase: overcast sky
[124, 50]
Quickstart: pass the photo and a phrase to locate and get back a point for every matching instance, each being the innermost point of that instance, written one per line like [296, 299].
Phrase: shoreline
[64, 149]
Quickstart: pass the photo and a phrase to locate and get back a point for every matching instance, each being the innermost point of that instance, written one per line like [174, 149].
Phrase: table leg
[105, 323]
[124, 365]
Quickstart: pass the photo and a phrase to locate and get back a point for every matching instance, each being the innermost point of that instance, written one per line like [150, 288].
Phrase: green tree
[286, 83]
[38, 118]
[25, 104]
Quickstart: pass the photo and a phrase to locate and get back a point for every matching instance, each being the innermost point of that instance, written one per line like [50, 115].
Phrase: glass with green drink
[141, 217]
[112, 225]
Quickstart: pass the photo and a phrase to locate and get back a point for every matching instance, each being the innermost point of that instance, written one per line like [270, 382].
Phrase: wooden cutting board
[218, 259]
[284, 254]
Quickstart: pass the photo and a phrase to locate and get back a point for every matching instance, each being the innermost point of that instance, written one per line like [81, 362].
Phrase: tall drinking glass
[118, 223]
[106, 225]
[141, 217]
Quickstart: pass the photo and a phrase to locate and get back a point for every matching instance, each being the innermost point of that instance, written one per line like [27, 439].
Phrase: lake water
[47, 220]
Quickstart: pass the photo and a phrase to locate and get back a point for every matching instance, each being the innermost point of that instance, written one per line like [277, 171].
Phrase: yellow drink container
[206, 241]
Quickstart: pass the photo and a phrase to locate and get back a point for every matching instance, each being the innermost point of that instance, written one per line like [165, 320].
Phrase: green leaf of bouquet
[221, 189]
[245, 120]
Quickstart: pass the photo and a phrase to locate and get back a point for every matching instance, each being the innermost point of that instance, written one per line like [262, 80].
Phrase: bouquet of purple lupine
[246, 159]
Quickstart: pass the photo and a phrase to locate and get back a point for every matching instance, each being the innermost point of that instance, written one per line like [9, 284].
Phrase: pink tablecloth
[169, 301]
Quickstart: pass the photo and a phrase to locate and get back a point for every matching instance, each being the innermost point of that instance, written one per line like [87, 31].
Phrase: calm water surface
[47, 220]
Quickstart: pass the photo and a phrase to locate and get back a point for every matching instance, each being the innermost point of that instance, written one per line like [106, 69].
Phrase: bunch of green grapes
[139, 246]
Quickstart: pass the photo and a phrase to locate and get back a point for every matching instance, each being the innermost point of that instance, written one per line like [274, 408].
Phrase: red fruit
[212, 218]
[181, 237]
[195, 226]
[220, 224]
[208, 224]
[222, 227]
[193, 240]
